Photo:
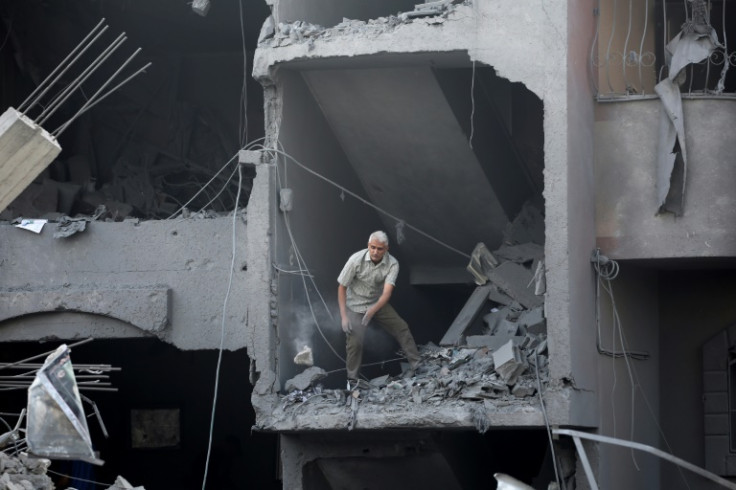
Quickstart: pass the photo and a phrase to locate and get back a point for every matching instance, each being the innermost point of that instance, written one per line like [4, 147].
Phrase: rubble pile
[496, 349]
[23, 472]
[287, 33]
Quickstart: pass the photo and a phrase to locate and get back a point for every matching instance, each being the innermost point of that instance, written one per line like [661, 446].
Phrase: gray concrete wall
[331, 12]
[635, 295]
[694, 306]
[116, 280]
[626, 196]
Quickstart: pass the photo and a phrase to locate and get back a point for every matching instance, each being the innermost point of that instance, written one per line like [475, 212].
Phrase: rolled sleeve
[393, 273]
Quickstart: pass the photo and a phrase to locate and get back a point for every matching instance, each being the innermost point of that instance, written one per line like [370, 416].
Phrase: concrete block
[716, 424]
[523, 390]
[715, 403]
[467, 315]
[494, 318]
[715, 381]
[26, 149]
[516, 281]
[509, 363]
[497, 296]
[533, 320]
[145, 308]
[305, 379]
[492, 342]
[506, 327]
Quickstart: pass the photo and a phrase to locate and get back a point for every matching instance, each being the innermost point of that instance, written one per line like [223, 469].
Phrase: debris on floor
[304, 357]
[24, 472]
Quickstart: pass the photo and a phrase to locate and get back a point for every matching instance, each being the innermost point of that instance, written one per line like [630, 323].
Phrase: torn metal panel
[57, 426]
[694, 44]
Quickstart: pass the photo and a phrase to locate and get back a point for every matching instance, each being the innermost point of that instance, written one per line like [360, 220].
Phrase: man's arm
[388, 289]
[342, 294]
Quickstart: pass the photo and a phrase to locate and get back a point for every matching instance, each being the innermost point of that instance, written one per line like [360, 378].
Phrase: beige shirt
[364, 280]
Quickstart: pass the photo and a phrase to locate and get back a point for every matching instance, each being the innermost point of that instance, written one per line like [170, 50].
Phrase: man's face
[376, 250]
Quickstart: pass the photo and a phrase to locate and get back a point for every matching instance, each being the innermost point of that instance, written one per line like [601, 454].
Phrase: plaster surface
[108, 273]
[628, 226]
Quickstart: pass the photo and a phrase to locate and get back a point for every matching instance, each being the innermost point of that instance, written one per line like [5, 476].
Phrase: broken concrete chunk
[506, 327]
[304, 357]
[509, 363]
[522, 390]
[495, 317]
[521, 253]
[379, 382]
[493, 342]
[532, 319]
[305, 379]
[68, 227]
[267, 29]
[515, 280]
[467, 315]
[498, 296]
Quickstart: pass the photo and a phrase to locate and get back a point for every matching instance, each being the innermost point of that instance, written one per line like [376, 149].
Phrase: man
[364, 289]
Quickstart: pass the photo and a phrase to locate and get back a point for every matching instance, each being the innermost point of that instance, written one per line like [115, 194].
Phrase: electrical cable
[607, 270]
[72, 478]
[364, 201]
[301, 264]
[222, 329]
[546, 420]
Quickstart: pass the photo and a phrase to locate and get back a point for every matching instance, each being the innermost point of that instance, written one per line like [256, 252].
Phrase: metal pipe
[45, 354]
[576, 435]
[61, 98]
[33, 94]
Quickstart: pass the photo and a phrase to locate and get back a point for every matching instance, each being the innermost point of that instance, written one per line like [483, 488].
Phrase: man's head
[377, 246]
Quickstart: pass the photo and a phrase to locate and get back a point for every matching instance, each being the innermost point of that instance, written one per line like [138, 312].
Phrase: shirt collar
[367, 257]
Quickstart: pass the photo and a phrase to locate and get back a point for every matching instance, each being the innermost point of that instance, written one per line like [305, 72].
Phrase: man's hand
[346, 325]
[368, 316]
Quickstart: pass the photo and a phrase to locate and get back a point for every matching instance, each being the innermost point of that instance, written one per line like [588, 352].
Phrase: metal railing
[629, 55]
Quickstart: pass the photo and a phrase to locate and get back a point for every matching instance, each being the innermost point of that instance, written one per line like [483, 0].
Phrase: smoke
[301, 331]
[302, 327]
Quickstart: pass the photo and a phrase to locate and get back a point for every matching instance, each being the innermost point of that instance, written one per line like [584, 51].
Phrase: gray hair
[379, 235]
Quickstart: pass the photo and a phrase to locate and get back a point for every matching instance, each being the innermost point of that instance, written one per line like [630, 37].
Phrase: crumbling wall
[162, 278]
[531, 45]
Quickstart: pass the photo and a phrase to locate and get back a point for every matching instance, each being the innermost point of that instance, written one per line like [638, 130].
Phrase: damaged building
[553, 179]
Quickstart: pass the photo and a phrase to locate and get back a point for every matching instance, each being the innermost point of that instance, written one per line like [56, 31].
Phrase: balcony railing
[633, 47]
